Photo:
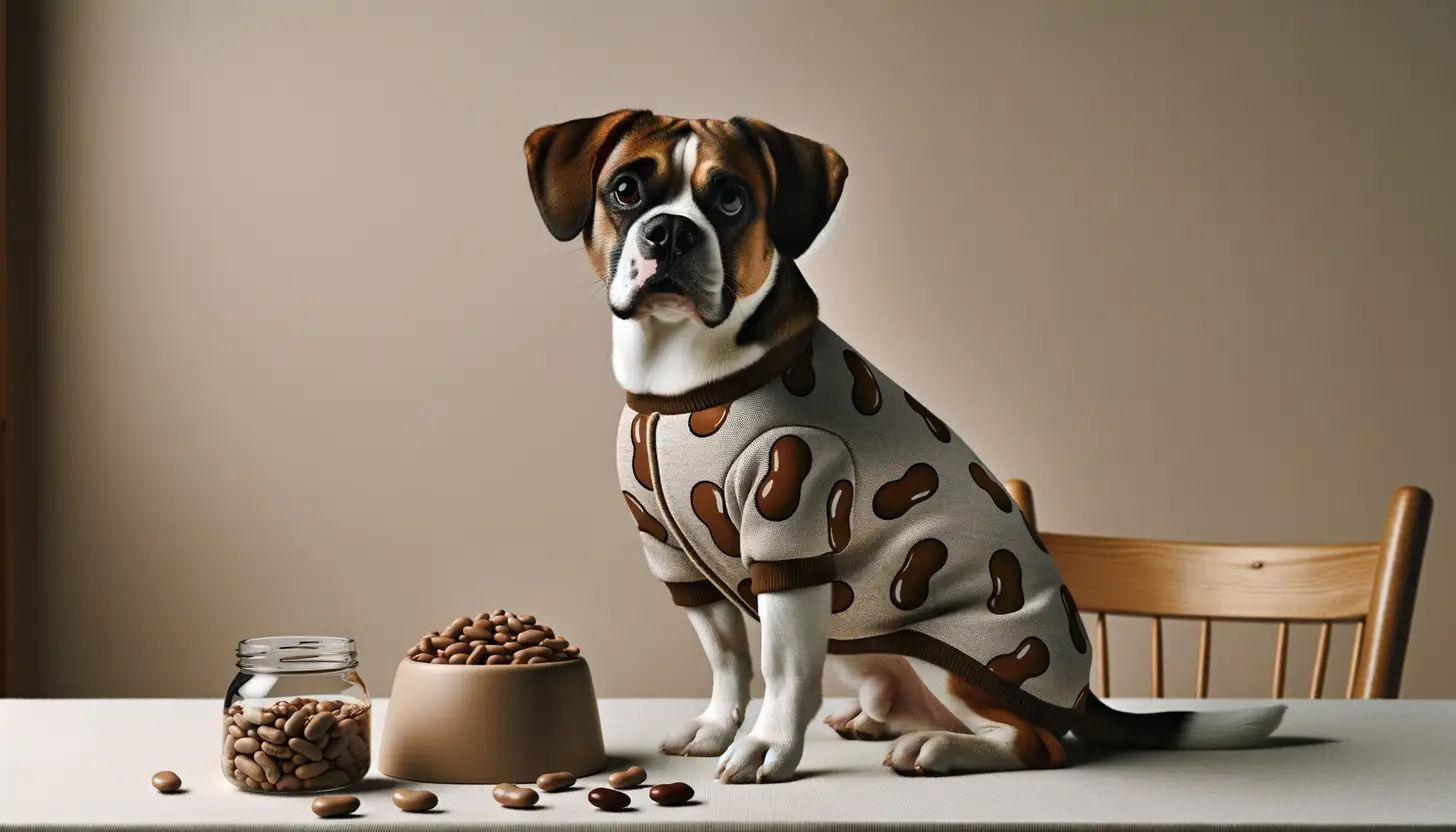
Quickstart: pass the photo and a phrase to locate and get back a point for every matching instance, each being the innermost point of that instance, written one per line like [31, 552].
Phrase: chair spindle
[1157, 645]
[1281, 655]
[1103, 680]
[1355, 658]
[1205, 643]
[1321, 658]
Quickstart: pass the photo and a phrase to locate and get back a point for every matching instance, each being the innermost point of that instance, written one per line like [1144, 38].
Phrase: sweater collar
[721, 391]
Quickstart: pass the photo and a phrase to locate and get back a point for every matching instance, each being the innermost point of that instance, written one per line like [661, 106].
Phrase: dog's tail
[1245, 728]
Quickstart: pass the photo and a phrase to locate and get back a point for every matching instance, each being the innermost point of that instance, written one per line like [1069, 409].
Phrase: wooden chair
[1372, 585]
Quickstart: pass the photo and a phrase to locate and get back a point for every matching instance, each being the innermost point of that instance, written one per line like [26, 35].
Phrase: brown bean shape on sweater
[1074, 621]
[937, 427]
[866, 391]
[778, 494]
[911, 585]
[710, 508]
[899, 496]
[641, 468]
[799, 378]
[841, 503]
[1030, 659]
[646, 523]
[989, 484]
[706, 422]
[841, 595]
[1007, 595]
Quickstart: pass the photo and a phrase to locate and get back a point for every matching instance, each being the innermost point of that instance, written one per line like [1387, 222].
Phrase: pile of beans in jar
[296, 745]
[497, 637]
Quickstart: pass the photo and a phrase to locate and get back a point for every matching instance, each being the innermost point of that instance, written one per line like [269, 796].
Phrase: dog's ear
[806, 179]
[562, 162]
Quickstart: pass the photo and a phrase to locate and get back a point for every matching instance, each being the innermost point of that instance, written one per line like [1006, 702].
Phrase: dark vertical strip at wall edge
[24, 209]
[4, 365]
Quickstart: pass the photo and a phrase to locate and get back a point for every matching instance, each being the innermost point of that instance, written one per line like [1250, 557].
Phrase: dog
[774, 472]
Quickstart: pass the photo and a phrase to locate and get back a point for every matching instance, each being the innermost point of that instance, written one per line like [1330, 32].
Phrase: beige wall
[305, 360]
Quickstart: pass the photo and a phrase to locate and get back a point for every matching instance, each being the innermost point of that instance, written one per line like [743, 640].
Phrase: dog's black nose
[666, 236]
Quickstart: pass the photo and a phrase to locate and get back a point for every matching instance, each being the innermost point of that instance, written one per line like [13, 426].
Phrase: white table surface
[87, 764]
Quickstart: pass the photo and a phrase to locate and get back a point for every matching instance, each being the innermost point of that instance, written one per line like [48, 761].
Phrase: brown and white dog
[695, 226]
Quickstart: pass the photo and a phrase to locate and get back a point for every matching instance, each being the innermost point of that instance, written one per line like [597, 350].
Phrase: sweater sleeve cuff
[782, 575]
[693, 593]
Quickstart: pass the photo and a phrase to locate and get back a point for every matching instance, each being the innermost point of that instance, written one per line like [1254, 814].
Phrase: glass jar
[296, 717]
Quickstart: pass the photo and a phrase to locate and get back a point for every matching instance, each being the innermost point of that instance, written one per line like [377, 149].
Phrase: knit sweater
[813, 467]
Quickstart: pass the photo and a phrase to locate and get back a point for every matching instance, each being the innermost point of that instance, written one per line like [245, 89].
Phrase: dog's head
[682, 219]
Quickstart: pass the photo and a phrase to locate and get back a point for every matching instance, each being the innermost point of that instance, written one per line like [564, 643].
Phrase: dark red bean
[609, 800]
[671, 794]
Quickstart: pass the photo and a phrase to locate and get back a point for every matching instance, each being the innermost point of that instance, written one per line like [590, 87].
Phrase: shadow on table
[615, 763]
[1079, 753]
[1293, 742]
[382, 784]
[870, 767]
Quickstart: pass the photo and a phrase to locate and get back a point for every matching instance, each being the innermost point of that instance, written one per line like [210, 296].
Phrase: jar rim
[297, 654]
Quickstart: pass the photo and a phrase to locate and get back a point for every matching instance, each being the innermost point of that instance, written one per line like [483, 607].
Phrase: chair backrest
[1369, 585]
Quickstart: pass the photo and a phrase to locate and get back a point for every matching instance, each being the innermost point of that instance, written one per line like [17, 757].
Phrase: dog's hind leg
[890, 700]
[996, 739]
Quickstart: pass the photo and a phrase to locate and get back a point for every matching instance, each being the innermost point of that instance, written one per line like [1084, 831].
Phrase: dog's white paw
[703, 736]
[755, 759]
[904, 755]
[931, 753]
[852, 723]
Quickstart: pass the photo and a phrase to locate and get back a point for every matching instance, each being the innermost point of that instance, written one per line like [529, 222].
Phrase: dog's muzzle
[672, 246]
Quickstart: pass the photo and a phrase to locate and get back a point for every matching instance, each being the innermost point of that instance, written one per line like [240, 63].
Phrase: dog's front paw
[756, 759]
[703, 736]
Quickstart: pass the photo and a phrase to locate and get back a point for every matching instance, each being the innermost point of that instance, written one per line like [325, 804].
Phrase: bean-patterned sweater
[813, 467]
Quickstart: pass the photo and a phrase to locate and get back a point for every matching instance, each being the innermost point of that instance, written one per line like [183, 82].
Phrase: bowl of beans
[488, 699]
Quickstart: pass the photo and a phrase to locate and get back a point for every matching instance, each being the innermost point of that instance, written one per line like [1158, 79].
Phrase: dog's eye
[730, 202]
[626, 192]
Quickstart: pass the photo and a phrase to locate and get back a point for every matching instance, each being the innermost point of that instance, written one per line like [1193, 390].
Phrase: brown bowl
[450, 723]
